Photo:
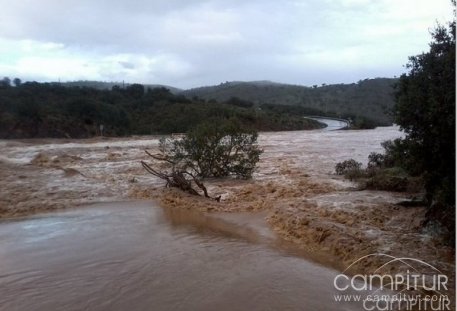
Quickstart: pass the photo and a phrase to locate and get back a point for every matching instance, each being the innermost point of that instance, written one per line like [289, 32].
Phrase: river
[134, 256]
[104, 255]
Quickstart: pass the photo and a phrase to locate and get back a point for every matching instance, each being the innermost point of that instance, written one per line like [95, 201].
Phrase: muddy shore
[294, 186]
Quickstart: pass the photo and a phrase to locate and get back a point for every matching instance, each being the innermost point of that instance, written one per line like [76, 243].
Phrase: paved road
[332, 124]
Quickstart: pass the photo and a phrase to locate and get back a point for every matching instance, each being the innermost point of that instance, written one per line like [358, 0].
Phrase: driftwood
[178, 177]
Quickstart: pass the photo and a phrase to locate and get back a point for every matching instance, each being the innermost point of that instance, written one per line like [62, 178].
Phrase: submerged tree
[217, 148]
[425, 111]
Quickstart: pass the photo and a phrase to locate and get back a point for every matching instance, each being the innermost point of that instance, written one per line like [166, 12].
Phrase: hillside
[76, 109]
[34, 109]
[370, 98]
[102, 85]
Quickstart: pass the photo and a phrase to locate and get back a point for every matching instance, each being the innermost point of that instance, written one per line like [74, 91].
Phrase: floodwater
[134, 256]
[52, 173]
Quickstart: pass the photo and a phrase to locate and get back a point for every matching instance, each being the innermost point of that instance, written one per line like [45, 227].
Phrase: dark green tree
[135, 90]
[425, 111]
[17, 82]
[5, 82]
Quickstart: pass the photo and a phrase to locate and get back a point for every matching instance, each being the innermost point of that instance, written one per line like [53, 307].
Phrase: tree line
[33, 109]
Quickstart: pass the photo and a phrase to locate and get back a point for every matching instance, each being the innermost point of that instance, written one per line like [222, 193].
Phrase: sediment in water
[294, 184]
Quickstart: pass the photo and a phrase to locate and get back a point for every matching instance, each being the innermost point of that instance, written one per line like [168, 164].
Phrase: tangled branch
[178, 177]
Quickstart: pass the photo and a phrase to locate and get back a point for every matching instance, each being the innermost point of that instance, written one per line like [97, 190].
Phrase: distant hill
[370, 98]
[109, 85]
[76, 109]
[33, 109]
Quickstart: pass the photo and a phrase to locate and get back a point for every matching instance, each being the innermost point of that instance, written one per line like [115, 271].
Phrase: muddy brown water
[134, 256]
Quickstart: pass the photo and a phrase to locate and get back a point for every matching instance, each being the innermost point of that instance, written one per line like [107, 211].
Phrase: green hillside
[76, 109]
[34, 109]
[102, 85]
[370, 98]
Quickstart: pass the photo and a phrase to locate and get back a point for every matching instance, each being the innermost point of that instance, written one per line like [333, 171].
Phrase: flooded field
[185, 252]
[49, 174]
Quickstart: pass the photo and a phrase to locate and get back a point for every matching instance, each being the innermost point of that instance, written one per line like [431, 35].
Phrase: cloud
[191, 43]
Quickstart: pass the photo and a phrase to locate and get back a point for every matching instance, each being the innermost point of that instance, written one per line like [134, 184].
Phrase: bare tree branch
[177, 177]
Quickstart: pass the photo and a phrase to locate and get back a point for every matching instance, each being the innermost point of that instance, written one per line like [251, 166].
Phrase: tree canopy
[34, 109]
[425, 111]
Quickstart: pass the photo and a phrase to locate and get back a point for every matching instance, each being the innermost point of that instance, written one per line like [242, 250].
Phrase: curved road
[331, 124]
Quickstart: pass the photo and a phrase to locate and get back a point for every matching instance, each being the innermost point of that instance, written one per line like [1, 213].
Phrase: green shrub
[379, 175]
[376, 160]
[215, 149]
[388, 179]
[348, 167]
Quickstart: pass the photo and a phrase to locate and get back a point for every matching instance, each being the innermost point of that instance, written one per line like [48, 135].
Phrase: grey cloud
[187, 43]
[127, 65]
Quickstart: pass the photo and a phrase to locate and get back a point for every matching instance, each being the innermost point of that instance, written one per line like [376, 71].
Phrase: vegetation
[100, 85]
[425, 111]
[381, 173]
[391, 179]
[217, 148]
[349, 168]
[34, 109]
[367, 102]
[77, 109]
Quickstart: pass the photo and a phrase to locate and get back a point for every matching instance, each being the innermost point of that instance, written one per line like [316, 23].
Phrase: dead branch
[202, 187]
[160, 157]
[177, 177]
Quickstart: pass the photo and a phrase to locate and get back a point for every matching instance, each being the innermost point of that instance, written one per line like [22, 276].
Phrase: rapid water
[134, 256]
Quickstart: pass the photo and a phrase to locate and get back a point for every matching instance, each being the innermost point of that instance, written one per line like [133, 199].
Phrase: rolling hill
[101, 85]
[370, 98]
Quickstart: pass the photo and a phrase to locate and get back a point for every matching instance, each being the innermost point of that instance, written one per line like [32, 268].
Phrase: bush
[380, 174]
[215, 149]
[376, 161]
[348, 168]
[388, 179]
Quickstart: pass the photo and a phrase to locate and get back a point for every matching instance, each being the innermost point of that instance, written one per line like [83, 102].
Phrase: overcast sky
[192, 43]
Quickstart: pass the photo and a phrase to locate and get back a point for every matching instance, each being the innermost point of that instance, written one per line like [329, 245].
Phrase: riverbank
[304, 201]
